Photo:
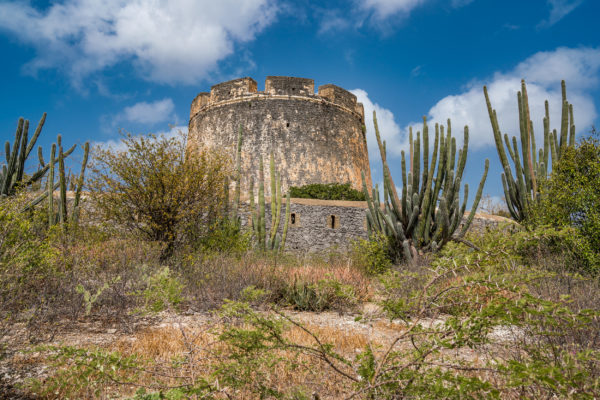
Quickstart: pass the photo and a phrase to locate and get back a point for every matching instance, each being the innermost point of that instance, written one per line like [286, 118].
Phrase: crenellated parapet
[314, 137]
[243, 89]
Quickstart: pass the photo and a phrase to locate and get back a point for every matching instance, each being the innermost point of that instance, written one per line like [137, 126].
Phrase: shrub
[155, 189]
[162, 291]
[571, 197]
[327, 191]
[372, 255]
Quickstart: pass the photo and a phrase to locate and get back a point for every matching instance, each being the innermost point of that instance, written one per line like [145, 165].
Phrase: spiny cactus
[237, 177]
[270, 240]
[63, 179]
[428, 213]
[523, 189]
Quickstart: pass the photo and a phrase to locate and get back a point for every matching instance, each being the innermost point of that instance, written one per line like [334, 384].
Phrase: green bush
[163, 291]
[372, 255]
[326, 294]
[328, 191]
[571, 198]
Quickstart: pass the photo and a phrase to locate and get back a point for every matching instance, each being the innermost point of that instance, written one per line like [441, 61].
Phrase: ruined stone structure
[315, 138]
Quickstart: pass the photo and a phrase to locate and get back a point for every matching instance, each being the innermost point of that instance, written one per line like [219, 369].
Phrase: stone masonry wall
[315, 138]
[315, 231]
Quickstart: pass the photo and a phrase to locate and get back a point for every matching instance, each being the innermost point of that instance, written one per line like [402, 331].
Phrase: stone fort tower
[315, 138]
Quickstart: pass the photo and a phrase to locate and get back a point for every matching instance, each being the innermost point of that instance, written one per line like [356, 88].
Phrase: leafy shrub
[163, 291]
[372, 255]
[571, 198]
[327, 191]
[155, 189]
[326, 294]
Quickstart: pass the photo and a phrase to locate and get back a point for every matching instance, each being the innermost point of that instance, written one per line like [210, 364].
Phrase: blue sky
[100, 66]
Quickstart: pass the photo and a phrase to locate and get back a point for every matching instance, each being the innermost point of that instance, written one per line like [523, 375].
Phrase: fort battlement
[314, 137]
[243, 89]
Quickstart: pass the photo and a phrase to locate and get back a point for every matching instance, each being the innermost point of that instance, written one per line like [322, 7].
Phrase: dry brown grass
[199, 345]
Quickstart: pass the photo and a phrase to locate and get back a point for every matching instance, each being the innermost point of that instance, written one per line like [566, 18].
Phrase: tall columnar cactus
[237, 176]
[62, 215]
[270, 240]
[522, 189]
[428, 212]
[12, 174]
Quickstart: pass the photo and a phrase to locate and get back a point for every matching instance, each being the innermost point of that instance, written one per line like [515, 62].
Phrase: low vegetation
[156, 293]
[327, 191]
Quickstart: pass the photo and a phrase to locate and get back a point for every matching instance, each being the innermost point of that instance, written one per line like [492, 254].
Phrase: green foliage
[372, 255]
[225, 237]
[326, 294]
[88, 298]
[571, 198]
[163, 291]
[428, 213]
[154, 189]
[27, 259]
[327, 191]
[84, 373]
[12, 174]
[269, 240]
[523, 190]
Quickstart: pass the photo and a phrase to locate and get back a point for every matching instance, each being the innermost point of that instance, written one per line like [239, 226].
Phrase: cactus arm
[12, 160]
[238, 175]
[530, 138]
[41, 157]
[476, 200]
[416, 164]
[51, 186]
[62, 209]
[276, 218]
[425, 178]
[386, 168]
[36, 135]
[40, 198]
[80, 180]
[253, 216]
[572, 125]
[261, 206]
[286, 223]
[564, 122]
[21, 158]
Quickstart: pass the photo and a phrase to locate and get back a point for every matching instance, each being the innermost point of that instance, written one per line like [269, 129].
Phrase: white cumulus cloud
[543, 72]
[382, 9]
[389, 130]
[175, 41]
[118, 145]
[148, 113]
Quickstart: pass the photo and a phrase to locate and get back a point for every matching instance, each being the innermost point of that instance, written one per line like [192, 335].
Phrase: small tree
[154, 187]
[571, 197]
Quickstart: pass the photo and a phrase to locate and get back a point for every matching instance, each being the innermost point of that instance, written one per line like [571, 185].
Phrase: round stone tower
[315, 138]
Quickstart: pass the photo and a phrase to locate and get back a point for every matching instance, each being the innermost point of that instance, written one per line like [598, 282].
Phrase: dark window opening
[333, 222]
[293, 218]
[293, 89]
[287, 125]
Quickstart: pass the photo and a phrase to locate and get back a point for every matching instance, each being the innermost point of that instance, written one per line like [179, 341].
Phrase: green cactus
[12, 174]
[270, 240]
[522, 189]
[237, 177]
[428, 213]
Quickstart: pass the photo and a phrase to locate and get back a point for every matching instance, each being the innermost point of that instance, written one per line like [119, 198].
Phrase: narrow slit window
[287, 125]
[333, 222]
[294, 219]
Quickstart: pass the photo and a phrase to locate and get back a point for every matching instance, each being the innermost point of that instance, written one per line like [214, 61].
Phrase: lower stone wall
[322, 225]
